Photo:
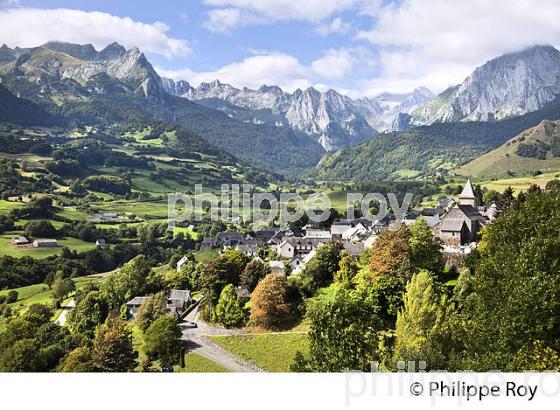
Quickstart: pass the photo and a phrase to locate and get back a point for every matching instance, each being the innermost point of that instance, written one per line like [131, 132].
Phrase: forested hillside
[426, 149]
[24, 112]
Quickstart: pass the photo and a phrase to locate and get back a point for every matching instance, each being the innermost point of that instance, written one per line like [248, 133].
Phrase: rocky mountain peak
[510, 85]
[81, 51]
[111, 52]
[274, 89]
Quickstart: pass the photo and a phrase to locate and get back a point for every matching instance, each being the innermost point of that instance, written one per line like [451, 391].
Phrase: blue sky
[359, 47]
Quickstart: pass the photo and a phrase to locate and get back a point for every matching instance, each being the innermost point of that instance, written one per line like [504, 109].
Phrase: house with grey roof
[20, 241]
[248, 249]
[45, 243]
[462, 224]
[318, 233]
[353, 249]
[293, 246]
[133, 306]
[177, 302]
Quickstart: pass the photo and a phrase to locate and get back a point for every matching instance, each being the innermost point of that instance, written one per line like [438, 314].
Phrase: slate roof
[452, 225]
[317, 233]
[302, 242]
[248, 248]
[184, 295]
[354, 249]
[470, 212]
[266, 234]
[137, 301]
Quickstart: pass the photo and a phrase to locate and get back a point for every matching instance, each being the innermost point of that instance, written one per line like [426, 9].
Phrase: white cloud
[335, 64]
[26, 27]
[336, 26]
[225, 20]
[438, 43]
[222, 20]
[236, 13]
[275, 68]
[270, 69]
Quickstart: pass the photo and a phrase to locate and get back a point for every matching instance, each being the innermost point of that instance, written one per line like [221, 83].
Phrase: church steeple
[467, 196]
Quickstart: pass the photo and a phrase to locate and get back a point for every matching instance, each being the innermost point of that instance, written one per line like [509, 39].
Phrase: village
[456, 222]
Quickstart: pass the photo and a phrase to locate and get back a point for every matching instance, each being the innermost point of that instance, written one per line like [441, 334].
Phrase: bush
[107, 184]
[41, 229]
[12, 296]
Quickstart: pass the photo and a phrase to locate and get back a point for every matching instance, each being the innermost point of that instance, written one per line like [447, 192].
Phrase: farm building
[20, 240]
[45, 243]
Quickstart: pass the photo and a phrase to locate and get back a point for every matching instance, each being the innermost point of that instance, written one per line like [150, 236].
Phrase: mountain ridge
[115, 85]
[328, 117]
[426, 150]
[510, 85]
[535, 149]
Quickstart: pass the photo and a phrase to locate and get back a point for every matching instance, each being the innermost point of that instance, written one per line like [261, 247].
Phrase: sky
[358, 47]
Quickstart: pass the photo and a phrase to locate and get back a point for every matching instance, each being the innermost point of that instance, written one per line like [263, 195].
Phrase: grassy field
[202, 256]
[504, 160]
[7, 206]
[192, 233]
[521, 183]
[195, 363]
[273, 352]
[40, 293]
[6, 248]
[145, 210]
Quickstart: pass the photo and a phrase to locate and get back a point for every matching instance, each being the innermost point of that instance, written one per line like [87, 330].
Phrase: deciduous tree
[163, 340]
[112, 348]
[425, 248]
[270, 307]
[253, 273]
[343, 335]
[390, 252]
[321, 269]
[130, 281]
[153, 308]
[90, 311]
[419, 324]
[348, 269]
[229, 311]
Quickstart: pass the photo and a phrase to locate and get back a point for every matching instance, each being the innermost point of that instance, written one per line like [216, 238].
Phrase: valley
[92, 142]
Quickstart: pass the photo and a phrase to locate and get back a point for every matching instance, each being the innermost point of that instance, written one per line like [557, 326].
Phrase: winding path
[198, 341]
[61, 319]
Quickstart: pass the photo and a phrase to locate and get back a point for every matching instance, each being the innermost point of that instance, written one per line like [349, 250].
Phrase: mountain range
[116, 85]
[332, 119]
[429, 150]
[289, 132]
[507, 86]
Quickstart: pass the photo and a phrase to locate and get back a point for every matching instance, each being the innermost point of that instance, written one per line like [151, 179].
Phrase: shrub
[12, 296]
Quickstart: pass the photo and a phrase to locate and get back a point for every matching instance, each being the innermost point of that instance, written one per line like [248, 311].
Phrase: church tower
[467, 195]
